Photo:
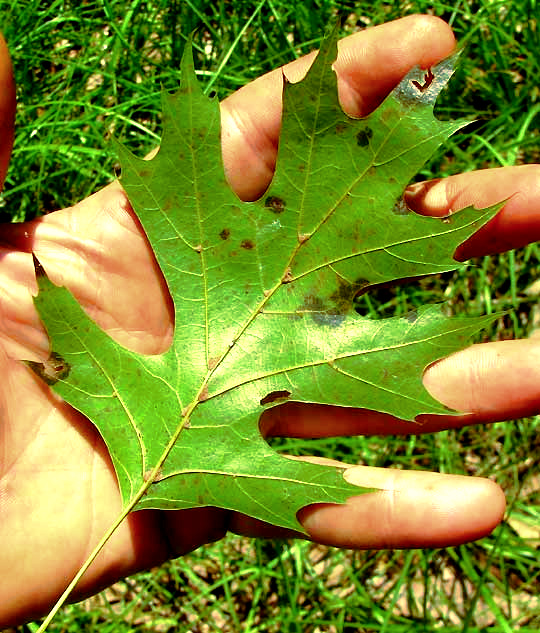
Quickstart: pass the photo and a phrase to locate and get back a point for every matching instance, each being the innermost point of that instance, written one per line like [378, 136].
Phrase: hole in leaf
[55, 368]
[274, 396]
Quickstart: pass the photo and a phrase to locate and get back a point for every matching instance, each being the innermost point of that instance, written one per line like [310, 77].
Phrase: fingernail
[427, 197]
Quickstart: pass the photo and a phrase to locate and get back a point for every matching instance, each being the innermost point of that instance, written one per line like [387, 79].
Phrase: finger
[494, 381]
[369, 65]
[7, 109]
[410, 509]
[490, 382]
[517, 224]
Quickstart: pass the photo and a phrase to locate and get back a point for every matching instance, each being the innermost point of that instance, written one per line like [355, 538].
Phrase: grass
[88, 70]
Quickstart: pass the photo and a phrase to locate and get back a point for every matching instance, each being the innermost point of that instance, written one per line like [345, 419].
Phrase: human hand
[58, 492]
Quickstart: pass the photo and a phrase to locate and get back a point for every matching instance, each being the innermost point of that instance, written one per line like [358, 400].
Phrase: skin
[58, 492]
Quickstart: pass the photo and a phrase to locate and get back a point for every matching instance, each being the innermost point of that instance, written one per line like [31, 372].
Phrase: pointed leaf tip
[38, 268]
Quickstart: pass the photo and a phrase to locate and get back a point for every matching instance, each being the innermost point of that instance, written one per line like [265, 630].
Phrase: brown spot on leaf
[274, 396]
[198, 248]
[225, 234]
[275, 204]
[203, 396]
[157, 477]
[303, 237]
[364, 136]
[361, 284]
[344, 296]
[287, 277]
[247, 245]
[212, 362]
[401, 207]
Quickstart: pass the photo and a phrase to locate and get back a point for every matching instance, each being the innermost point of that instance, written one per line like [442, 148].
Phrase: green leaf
[263, 294]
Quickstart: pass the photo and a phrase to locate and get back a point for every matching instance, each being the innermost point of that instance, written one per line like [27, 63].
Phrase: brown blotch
[401, 207]
[333, 312]
[225, 234]
[248, 245]
[287, 277]
[157, 477]
[361, 284]
[274, 396]
[345, 294]
[364, 137]
[203, 396]
[275, 204]
[212, 362]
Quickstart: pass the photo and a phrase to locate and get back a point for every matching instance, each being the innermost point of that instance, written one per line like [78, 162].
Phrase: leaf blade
[263, 294]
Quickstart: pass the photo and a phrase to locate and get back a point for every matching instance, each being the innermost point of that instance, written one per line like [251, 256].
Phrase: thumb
[7, 109]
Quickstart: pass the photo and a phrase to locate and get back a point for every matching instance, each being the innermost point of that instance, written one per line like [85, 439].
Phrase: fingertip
[434, 33]
[468, 508]
[410, 510]
[492, 381]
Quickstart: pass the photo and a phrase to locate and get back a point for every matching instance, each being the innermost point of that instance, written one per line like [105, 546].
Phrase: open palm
[58, 491]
